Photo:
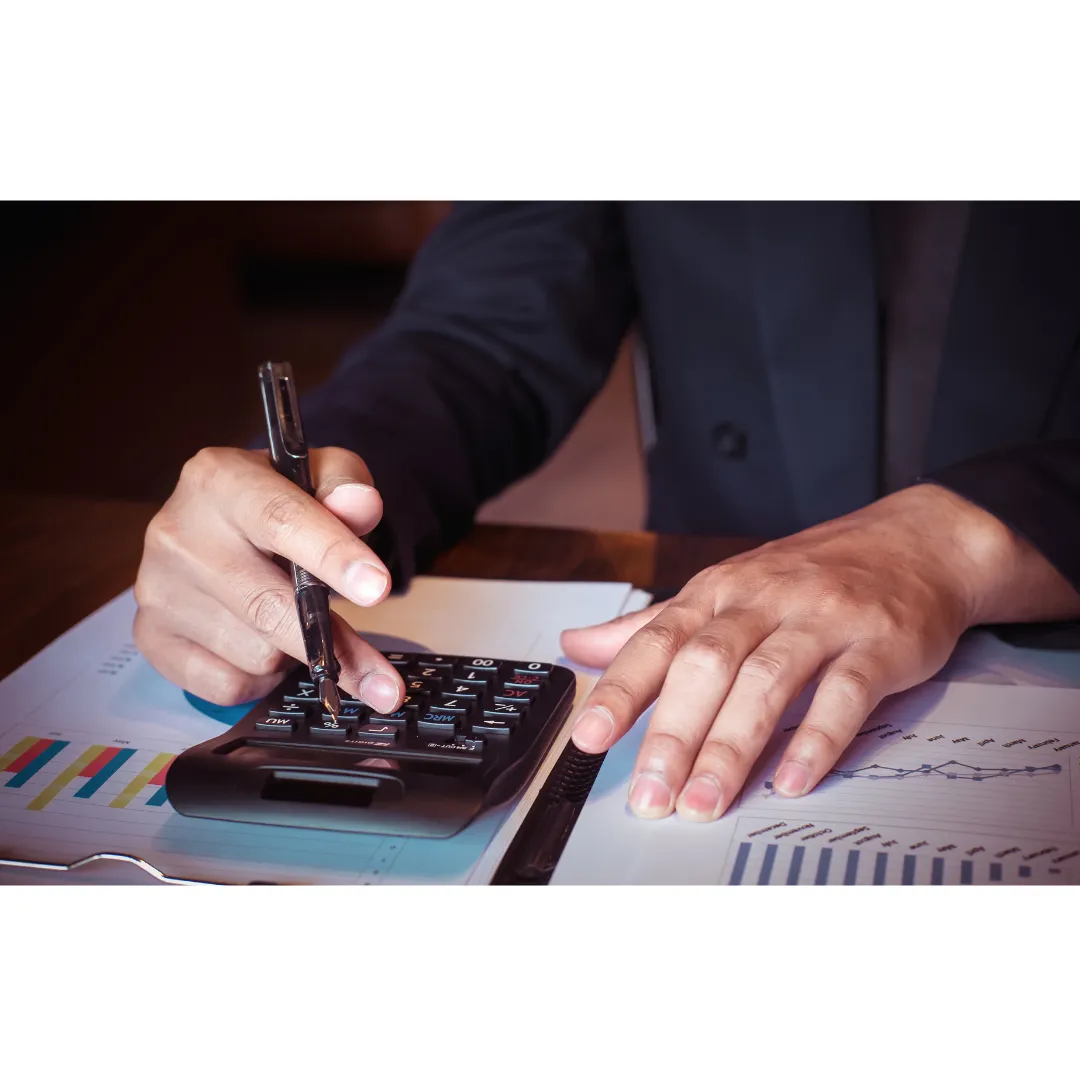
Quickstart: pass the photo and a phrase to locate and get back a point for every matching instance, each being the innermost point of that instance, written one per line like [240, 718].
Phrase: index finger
[278, 517]
[633, 681]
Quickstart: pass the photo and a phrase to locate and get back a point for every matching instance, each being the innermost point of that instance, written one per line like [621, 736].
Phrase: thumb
[344, 486]
[596, 646]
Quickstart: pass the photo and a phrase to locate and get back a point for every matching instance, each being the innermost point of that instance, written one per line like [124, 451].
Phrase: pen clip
[288, 451]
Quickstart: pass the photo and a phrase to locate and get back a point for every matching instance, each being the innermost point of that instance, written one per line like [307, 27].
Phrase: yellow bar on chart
[156, 765]
[58, 783]
[19, 748]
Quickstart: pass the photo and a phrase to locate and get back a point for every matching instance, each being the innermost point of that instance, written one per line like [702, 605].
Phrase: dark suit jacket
[761, 326]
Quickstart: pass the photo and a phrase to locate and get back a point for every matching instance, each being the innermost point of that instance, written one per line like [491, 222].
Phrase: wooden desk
[62, 558]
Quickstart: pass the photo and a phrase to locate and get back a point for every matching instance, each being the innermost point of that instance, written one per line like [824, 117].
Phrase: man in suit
[889, 391]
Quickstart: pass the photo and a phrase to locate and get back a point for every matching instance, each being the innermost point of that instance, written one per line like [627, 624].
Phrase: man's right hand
[216, 613]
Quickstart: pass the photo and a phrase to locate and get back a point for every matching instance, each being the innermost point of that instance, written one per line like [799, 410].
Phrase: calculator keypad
[456, 707]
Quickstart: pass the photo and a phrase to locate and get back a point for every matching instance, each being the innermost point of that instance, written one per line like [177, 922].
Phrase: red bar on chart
[100, 761]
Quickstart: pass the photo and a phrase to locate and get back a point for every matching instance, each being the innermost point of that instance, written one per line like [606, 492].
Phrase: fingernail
[365, 582]
[792, 778]
[380, 692]
[593, 730]
[650, 795]
[700, 798]
[347, 493]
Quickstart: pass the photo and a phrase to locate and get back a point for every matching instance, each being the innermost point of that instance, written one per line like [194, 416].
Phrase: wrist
[998, 575]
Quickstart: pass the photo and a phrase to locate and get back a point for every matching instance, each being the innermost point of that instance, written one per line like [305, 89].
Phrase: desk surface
[65, 557]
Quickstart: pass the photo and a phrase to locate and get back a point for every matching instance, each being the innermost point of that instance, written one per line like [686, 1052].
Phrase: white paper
[90, 693]
[949, 783]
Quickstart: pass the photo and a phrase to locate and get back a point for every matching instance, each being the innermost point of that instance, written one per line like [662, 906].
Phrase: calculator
[469, 735]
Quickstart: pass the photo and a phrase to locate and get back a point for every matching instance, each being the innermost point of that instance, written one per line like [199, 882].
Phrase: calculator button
[423, 686]
[301, 695]
[505, 708]
[533, 669]
[326, 726]
[435, 719]
[290, 710]
[398, 716]
[470, 690]
[478, 663]
[516, 696]
[275, 723]
[450, 703]
[426, 671]
[445, 664]
[495, 724]
[414, 703]
[399, 659]
[527, 679]
[386, 733]
[352, 710]
[480, 676]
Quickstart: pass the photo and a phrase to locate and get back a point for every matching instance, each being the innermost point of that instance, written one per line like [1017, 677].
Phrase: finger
[849, 691]
[770, 678]
[260, 595]
[344, 486]
[700, 676]
[634, 677]
[596, 646]
[203, 619]
[196, 669]
[278, 517]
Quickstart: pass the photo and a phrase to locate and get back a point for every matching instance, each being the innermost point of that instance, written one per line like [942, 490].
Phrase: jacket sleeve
[1035, 490]
[508, 324]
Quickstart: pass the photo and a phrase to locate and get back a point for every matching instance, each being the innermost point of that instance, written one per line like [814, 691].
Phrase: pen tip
[328, 694]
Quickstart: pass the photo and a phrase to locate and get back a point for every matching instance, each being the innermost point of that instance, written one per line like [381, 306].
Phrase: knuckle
[763, 667]
[708, 653]
[720, 753]
[853, 685]
[616, 694]
[666, 745]
[814, 732]
[226, 686]
[267, 610]
[203, 467]
[660, 636]
[284, 513]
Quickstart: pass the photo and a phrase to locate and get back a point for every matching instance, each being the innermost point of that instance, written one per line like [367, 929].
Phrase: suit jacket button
[729, 441]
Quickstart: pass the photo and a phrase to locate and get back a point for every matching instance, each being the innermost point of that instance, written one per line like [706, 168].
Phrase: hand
[873, 603]
[216, 613]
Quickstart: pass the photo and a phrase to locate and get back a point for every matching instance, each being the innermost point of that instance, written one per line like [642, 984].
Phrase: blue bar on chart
[852, 867]
[822, 876]
[34, 760]
[937, 872]
[159, 797]
[908, 877]
[966, 872]
[880, 863]
[995, 871]
[795, 867]
[1025, 871]
[740, 864]
[767, 865]
[113, 761]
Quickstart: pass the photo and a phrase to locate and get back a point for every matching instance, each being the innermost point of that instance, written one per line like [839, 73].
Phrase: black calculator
[469, 735]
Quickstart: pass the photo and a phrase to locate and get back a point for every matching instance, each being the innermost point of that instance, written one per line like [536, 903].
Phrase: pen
[289, 454]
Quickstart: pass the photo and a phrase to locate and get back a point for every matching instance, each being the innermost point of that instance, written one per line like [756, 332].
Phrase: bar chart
[108, 775]
[848, 853]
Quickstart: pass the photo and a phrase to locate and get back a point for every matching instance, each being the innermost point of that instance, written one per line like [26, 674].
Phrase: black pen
[289, 454]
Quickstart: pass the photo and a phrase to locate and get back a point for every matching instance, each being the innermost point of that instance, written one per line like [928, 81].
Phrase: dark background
[130, 333]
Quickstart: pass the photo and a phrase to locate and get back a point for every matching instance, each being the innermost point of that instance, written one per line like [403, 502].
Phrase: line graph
[948, 770]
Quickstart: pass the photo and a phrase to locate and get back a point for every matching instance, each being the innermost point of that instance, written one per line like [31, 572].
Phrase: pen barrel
[313, 607]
